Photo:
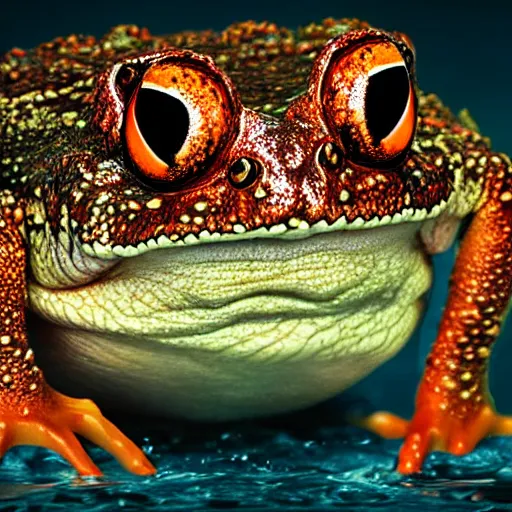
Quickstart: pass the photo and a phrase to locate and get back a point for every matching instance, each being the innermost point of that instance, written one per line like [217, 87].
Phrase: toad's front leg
[31, 412]
[454, 409]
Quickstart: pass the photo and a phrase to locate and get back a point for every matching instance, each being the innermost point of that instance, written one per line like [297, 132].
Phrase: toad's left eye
[370, 104]
[177, 122]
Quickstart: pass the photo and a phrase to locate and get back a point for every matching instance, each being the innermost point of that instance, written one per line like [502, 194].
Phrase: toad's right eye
[177, 122]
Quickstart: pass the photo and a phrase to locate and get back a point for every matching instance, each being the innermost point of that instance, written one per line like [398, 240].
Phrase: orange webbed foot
[434, 429]
[52, 423]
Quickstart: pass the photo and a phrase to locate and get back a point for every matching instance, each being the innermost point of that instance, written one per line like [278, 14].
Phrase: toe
[385, 424]
[413, 452]
[103, 433]
[58, 439]
[502, 426]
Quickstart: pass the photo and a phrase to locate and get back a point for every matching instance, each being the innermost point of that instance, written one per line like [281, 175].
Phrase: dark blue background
[464, 55]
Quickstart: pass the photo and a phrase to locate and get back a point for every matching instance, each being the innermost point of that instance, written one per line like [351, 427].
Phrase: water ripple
[262, 467]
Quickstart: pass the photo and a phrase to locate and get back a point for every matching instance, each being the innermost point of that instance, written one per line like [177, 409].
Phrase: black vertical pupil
[386, 98]
[163, 121]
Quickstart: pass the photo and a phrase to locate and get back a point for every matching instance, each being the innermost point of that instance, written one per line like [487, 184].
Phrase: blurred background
[464, 55]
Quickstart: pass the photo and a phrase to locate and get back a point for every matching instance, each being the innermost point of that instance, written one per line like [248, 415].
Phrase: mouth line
[295, 229]
[268, 250]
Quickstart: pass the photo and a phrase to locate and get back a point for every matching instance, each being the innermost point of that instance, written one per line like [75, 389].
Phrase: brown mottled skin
[76, 198]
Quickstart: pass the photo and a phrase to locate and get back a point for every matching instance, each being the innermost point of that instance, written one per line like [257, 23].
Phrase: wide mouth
[267, 249]
[294, 230]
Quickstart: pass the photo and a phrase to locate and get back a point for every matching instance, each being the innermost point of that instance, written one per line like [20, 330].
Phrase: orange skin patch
[32, 412]
[454, 409]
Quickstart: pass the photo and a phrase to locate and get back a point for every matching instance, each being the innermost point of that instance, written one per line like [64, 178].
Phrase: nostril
[329, 156]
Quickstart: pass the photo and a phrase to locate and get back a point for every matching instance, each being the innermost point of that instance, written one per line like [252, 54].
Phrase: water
[298, 464]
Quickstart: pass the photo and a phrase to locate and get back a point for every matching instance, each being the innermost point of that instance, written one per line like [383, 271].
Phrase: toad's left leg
[454, 409]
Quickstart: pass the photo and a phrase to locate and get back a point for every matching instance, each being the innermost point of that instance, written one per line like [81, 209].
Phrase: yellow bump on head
[133, 205]
[260, 193]
[344, 195]
[154, 204]
[200, 206]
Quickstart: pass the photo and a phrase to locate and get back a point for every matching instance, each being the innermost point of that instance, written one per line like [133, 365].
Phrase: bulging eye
[177, 122]
[370, 103]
